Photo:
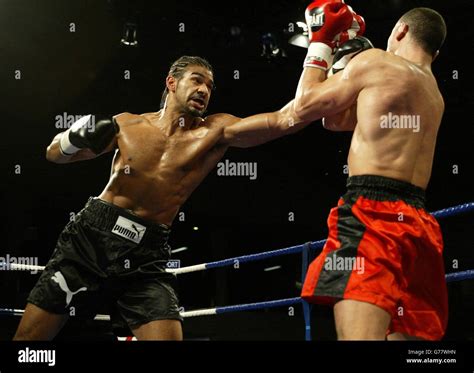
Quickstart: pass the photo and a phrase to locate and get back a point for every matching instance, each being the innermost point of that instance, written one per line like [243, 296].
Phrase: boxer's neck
[414, 53]
[173, 120]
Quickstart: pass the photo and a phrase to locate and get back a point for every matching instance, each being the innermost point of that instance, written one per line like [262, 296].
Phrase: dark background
[82, 72]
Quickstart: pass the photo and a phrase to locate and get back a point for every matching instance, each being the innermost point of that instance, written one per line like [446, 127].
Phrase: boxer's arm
[343, 121]
[261, 128]
[54, 154]
[316, 97]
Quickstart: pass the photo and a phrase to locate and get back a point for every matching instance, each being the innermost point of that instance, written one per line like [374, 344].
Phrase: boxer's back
[399, 111]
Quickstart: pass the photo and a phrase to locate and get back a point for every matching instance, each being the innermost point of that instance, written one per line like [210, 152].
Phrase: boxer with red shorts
[382, 266]
[373, 220]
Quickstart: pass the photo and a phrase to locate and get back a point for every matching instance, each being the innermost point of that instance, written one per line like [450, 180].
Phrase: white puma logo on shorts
[129, 229]
[59, 278]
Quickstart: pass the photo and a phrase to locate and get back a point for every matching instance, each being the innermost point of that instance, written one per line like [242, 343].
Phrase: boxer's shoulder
[377, 65]
[126, 119]
[220, 120]
[369, 59]
[387, 60]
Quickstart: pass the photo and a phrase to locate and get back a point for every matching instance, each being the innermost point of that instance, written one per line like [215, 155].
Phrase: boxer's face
[193, 90]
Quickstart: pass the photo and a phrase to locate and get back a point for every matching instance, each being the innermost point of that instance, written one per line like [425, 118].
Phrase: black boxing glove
[80, 135]
[347, 51]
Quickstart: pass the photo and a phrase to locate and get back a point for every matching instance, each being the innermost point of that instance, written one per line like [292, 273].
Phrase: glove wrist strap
[318, 56]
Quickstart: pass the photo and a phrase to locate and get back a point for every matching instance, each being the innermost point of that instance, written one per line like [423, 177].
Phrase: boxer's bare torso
[156, 169]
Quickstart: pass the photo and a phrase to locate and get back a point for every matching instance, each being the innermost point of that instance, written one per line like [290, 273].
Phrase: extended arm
[261, 128]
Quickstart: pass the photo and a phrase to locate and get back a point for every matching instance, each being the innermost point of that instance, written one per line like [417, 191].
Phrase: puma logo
[129, 229]
[61, 281]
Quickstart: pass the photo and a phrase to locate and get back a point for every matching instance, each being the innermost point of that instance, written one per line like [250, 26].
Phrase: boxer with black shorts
[116, 248]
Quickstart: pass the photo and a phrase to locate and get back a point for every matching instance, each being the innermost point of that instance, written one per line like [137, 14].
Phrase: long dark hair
[178, 68]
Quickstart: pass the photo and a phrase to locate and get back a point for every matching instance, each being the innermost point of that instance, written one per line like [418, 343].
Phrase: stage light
[129, 37]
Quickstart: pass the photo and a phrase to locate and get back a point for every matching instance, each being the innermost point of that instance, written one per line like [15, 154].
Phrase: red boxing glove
[326, 19]
[357, 29]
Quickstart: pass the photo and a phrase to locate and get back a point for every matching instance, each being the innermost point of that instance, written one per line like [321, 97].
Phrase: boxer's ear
[171, 83]
[402, 30]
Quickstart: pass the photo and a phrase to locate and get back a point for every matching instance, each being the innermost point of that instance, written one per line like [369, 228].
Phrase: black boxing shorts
[110, 255]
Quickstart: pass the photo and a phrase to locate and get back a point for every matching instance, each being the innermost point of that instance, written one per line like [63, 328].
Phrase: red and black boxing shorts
[384, 248]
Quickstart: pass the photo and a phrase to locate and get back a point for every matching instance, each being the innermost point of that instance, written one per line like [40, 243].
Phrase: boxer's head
[189, 84]
[422, 26]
